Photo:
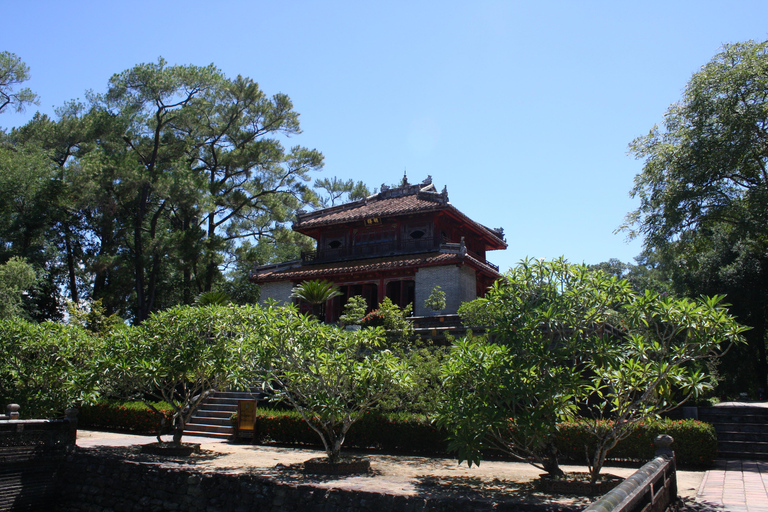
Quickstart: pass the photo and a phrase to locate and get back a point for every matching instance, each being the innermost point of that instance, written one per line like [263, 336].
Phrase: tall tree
[13, 71]
[251, 185]
[705, 181]
[335, 190]
[161, 183]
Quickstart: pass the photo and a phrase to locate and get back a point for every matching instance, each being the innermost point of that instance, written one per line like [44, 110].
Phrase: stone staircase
[212, 418]
[742, 430]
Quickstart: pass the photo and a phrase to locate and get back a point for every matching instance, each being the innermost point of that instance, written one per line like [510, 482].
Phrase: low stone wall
[31, 455]
[95, 482]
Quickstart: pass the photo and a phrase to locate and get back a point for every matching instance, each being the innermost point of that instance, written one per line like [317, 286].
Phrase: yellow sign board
[246, 415]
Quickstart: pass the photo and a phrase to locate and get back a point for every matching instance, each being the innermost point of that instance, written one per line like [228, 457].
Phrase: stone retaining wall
[31, 455]
[100, 483]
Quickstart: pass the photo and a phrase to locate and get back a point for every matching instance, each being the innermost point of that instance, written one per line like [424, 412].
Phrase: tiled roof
[390, 203]
[330, 270]
[367, 209]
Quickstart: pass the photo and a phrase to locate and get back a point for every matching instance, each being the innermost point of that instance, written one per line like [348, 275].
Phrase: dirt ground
[390, 474]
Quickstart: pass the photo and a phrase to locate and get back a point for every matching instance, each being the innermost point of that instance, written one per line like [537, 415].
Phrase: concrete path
[735, 486]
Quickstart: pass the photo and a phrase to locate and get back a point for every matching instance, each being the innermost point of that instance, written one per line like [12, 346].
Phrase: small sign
[246, 415]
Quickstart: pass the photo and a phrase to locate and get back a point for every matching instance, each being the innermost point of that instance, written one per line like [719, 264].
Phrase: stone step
[221, 400]
[741, 455]
[746, 447]
[199, 427]
[208, 406]
[240, 395]
[740, 413]
[212, 419]
[751, 428]
[214, 435]
[742, 436]
[208, 413]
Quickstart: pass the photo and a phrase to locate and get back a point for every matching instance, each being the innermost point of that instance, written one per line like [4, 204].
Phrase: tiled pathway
[735, 486]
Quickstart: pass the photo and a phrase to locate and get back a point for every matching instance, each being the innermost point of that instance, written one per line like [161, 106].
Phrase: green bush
[133, 417]
[695, 441]
[391, 432]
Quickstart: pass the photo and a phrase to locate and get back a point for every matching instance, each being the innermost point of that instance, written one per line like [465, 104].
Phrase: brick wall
[458, 283]
[279, 291]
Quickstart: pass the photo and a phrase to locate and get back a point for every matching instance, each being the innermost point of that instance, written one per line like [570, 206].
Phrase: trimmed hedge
[133, 417]
[392, 433]
[695, 442]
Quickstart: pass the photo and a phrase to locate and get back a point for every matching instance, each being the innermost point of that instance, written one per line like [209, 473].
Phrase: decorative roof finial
[404, 183]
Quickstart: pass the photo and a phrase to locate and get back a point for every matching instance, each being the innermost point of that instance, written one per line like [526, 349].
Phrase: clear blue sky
[523, 109]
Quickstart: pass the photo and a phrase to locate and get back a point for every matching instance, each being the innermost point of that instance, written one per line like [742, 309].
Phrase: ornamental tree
[46, 368]
[316, 292]
[509, 392]
[329, 375]
[436, 300]
[567, 340]
[179, 356]
[657, 362]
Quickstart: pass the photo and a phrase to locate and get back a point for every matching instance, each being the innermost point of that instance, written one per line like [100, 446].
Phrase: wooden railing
[652, 488]
[371, 250]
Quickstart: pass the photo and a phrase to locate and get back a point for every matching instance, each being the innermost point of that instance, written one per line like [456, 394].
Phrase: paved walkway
[735, 486]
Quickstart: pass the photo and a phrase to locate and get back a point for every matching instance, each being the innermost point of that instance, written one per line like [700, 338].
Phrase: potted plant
[354, 311]
[436, 300]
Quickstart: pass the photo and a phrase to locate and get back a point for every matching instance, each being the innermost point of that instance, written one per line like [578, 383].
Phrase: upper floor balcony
[386, 248]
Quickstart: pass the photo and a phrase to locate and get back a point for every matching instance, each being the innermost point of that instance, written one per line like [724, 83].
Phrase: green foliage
[92, 317]
[219, 298]
[125, 416]
[143, 195]
[388, 432]
[16, 277]
[334, 191]
[178, 356]
[436, 300]
[704, 195]
[13, 71]
[46, 368]
[568, 339]
[330, 376]
[354, 311]
[542, 317]
[398, 328]
[645, 275]
[315, 292]
[424, 390]
[695, 442]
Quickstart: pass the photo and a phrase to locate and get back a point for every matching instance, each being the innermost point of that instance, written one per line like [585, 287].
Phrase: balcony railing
[382, 249]
[371, 250]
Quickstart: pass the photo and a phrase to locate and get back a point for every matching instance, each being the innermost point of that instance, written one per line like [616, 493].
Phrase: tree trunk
[71, 264]
[178, 429]
[138, 254]
[549, 461]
